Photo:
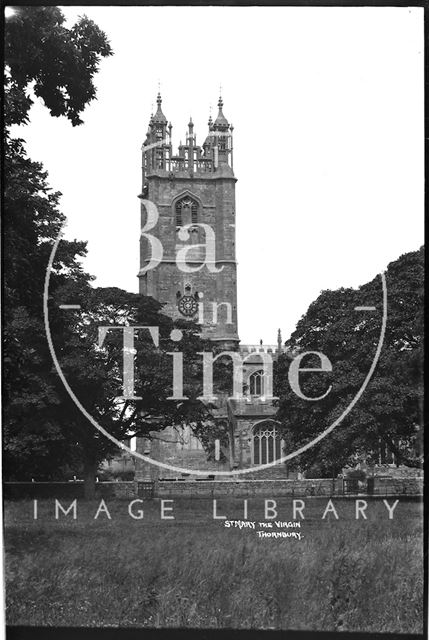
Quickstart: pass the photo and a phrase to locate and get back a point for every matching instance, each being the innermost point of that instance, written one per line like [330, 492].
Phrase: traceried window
[256, 383]
[267, 443]
[186, 211]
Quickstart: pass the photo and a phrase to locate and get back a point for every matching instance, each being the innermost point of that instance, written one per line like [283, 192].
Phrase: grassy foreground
[345, 574]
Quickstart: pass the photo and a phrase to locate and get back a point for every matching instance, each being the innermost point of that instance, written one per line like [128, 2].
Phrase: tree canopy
[390, 409]
[57, 63]
[43, 59]
[94, 370]
[44, 431]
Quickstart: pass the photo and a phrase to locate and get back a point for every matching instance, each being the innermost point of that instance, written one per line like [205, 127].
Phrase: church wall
[165, 446]
[411, 488]
[307, 489]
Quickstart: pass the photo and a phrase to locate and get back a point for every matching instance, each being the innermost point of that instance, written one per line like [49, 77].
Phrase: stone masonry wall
[216, 198]
[298, 488]
[206, 489]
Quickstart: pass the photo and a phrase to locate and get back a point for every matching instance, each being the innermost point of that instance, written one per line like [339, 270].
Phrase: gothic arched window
[256, 383]
[186, 211]
[267, 443]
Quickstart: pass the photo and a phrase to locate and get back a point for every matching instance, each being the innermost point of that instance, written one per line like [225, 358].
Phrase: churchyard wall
[213, 488]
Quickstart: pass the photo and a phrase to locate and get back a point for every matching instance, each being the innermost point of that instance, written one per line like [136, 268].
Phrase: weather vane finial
[220, 103]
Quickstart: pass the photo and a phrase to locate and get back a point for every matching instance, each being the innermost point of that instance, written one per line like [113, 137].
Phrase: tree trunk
[89, 471]
[414, 463]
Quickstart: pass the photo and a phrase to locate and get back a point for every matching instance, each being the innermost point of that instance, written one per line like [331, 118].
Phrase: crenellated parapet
[213, 159]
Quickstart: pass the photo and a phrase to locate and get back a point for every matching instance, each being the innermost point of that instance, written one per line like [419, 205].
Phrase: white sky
[327, 105]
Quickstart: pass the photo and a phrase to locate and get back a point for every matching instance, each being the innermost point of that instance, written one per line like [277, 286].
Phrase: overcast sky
[327, 105]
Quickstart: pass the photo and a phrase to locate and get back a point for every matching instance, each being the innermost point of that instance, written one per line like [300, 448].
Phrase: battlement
[214, 156]
[261, 348]
[178, 164]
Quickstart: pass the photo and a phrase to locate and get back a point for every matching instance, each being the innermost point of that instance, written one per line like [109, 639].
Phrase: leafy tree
[58, 433]
[95, 372]
[45, 59]
[44, 430]
[58, 63]
[31, 222]
[391, 406]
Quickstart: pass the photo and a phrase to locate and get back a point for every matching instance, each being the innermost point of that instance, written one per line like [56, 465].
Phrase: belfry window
[267, 443]
[194, 212]
[186, 211]
[178, 215]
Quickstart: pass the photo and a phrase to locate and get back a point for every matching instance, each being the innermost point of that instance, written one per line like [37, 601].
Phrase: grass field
[345, 574]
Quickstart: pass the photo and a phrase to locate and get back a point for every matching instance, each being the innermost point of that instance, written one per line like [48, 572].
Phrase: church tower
[194, 195]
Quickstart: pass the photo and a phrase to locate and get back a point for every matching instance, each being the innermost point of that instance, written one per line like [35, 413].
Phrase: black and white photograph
[212, 320]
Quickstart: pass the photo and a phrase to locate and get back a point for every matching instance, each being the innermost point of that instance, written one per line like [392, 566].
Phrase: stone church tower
[196, 187]
[190, 189]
